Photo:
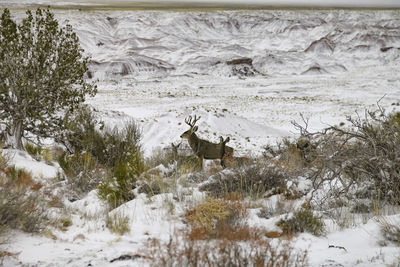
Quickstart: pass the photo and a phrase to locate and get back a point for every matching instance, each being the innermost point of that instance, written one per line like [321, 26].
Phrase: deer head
[191, 122]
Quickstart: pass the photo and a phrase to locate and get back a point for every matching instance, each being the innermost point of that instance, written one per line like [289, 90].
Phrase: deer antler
[191, 122]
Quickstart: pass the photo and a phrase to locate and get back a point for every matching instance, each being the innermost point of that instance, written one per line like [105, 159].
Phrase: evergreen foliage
[42, 75]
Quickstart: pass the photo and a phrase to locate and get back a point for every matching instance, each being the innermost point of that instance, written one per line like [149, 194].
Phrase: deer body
[204, 149]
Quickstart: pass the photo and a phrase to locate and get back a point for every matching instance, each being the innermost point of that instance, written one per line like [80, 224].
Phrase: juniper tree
[42, 75]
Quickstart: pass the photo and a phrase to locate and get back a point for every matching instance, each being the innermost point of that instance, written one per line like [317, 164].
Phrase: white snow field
[248, 74]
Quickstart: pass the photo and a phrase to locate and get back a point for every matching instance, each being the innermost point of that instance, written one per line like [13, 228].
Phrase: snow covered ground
[248, 74]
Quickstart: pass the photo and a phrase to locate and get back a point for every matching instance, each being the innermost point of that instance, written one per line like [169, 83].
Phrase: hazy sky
[342, 3]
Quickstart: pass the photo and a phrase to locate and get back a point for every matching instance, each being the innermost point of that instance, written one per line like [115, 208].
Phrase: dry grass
[5, 254]
[118, 224]
[390, 230]
[21, 205]
[218, 219]
[182, 251]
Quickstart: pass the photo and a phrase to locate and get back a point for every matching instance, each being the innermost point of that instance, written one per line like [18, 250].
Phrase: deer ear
[195, 128]
[227, 139]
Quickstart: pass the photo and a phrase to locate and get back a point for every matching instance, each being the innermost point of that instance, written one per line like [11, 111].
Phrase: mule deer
[185, 163]
[204, 149]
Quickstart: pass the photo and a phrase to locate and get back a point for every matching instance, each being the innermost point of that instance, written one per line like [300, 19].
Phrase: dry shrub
[184, 164]
[363, 153]
[220, 219]
[302, 221]
[188, 164]
[151, 188]
[390, 230]
[158, 157]
[181, 251]
[204, 216]
[21, 178]
[294, 155]
[254, 181]
[21, 206]
[82, 171]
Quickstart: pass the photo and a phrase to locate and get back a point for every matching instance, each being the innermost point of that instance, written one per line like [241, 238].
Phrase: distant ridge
[208, 4]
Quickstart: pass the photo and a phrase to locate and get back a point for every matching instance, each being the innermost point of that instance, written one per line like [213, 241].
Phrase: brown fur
[204, 149]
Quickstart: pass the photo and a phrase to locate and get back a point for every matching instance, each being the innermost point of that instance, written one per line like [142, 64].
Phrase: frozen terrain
[248, 74]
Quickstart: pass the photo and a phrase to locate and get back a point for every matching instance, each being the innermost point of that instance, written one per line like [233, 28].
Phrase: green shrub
[108, 158]
[64, 223]
[302, 221]
[3, 161]
[118, 188]
[82, 131]
[34, 151]
[85, 133]
[122, 145]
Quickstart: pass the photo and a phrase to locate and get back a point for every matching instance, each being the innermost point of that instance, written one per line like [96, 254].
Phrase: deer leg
[223, 163]
[201, 159]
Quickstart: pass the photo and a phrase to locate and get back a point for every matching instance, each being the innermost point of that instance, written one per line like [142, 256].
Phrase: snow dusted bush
[366, 152]
[82, 171]
[254, 181]
[82, 131]
[85, 133]
[302, 221]
[108, 158]
[118, 187]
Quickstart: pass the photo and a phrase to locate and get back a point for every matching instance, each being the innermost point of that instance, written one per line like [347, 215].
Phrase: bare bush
[180, 251]
[363, 153]
[83, 172]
